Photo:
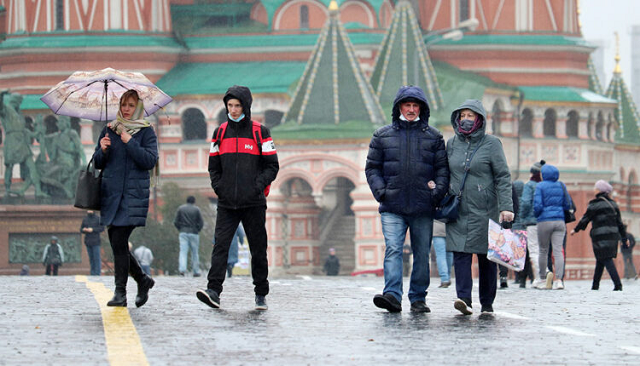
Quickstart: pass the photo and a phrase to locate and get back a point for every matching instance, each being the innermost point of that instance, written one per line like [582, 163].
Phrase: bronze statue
[17, 148]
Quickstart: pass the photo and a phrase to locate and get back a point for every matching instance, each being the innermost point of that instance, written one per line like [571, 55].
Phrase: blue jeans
[189, 241]
[94, 259]
[444, 259]
[146, 270]
[394, 228]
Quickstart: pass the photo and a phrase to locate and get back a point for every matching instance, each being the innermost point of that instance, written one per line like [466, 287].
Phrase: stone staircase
[340, 237]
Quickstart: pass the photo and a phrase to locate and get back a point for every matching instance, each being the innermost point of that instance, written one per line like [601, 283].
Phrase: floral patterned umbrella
[95, 95]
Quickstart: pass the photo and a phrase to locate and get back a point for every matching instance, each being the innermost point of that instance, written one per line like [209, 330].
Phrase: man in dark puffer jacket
[408, 173]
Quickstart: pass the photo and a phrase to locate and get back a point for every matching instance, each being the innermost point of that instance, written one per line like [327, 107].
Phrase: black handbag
[447, 211]
[88, 188]
[570, 214]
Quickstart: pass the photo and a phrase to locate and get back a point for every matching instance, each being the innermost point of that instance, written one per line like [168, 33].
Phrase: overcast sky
[600, 18]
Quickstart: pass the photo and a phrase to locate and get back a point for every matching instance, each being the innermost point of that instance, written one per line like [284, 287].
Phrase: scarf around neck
[133, 125]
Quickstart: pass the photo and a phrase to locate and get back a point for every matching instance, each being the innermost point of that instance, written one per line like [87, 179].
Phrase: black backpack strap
[221, 130]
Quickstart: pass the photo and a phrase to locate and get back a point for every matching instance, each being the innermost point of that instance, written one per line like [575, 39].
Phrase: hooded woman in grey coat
[486, 195]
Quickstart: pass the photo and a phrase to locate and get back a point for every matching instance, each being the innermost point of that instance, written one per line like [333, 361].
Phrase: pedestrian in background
[189, 223]
[331, 264]
[91, 229]
[145, 258]
[406, 260]
[486, 195]
[528, 218]
[408, 174]
[626, 248]
[444, 259]
[127, 151]
[607, 230]
[25, 270]
[550, 201]
[238, 238]
[52, 257]
[242, 164]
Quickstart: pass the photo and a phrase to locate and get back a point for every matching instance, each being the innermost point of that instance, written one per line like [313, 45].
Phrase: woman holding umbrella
[127, 150]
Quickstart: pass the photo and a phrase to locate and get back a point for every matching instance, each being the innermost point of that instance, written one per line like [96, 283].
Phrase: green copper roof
[457, 86]
[562, 94]
[323, 131]
[594, 81]
[333, 88]
[73, 40]
[403, 60]
[520, 39]
[216, 78]
[272, 40]
[627, 113]
[271, 6]
[32, 102]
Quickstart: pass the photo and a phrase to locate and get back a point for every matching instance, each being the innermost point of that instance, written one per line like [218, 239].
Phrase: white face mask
[236, 120]
[403, 118]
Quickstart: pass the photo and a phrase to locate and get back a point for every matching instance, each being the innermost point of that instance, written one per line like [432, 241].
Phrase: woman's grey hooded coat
[487, 190]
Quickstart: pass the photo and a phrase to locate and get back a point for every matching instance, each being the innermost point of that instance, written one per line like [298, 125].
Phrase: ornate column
[86, 132]
[537, 129]
[561, 127]
[583, 127]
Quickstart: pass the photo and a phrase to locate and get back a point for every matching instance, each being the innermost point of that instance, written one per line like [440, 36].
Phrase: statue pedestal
[26, 229]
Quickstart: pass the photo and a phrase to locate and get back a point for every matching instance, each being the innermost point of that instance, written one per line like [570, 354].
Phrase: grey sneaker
[261, 302]
[209, 297]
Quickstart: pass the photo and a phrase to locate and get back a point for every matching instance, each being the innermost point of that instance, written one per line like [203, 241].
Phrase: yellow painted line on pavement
[123, 342]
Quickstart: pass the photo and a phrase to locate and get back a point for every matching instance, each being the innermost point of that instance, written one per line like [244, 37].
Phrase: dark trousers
[253, 221]
[52, 269]
[611, 268]
[464, 280]
[629, 267]
[521, 277]
[124, 261]
[94, 259]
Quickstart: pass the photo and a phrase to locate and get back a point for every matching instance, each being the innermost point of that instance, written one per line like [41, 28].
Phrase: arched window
[222, 116]
[572, 124]
[50, 124]
[272, 118]
[194, 127]
[600, 127]
[525, 126]
[549, 125]
[464, 10]
[59, 14]
[633, 180]
[496, 118]
[304, 17]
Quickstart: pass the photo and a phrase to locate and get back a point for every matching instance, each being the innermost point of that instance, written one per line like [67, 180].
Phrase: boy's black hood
[243, 94]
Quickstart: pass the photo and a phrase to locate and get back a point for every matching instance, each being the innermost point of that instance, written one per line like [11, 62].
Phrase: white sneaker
[558, 285]
[540, 285]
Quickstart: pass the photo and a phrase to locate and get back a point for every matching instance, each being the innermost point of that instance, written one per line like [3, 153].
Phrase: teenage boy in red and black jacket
[242, 164]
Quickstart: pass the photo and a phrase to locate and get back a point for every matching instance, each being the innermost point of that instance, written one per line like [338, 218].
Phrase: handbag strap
[567, 197]
[467, 166]
[610, 205]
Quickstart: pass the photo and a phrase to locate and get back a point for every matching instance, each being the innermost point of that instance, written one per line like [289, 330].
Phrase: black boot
[144, 285]
[121, 264]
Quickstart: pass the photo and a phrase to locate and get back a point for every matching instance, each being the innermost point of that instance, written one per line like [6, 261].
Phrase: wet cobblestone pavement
[315, 321]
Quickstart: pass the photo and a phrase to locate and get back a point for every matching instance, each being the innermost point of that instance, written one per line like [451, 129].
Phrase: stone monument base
[26, 229]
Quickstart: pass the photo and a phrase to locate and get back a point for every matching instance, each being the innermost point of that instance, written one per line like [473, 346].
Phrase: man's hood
[410, 91]
[474, 105]
[549, 173]
[243, 94]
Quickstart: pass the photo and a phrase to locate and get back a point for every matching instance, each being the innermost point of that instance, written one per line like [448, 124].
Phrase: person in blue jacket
[549, 203]
[127, 150]
[408, 174]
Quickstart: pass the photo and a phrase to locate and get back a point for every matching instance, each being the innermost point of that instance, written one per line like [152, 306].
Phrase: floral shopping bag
[507, 247]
